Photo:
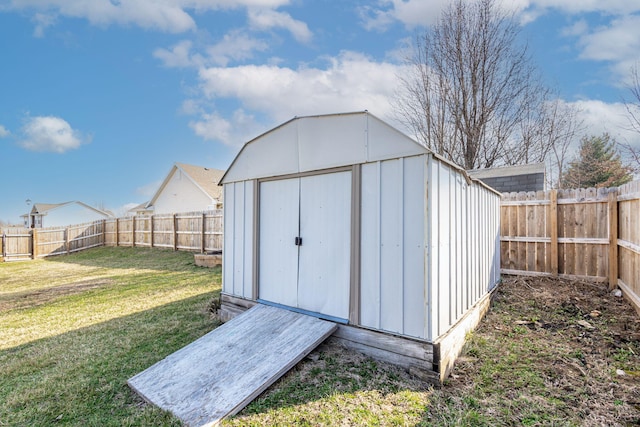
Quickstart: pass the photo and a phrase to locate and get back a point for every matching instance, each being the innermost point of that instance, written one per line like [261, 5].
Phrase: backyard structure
[186, 188]
[345, 218]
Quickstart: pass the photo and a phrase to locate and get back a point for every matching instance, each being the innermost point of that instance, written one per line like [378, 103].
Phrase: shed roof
[309, 143]
[204, 178]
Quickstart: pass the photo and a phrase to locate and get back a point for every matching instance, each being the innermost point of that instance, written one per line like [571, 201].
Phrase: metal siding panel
[325, 253]
[238, 240]
[278, 263]
[385, 142]
[453, 248]
[414, 247]
[473, 244]
[249, 234]
[444, 261]
[464, 254]
[460, 182]
[227, 260]
[370, 246]
[331, 141]
[391, 314]
[434, 253]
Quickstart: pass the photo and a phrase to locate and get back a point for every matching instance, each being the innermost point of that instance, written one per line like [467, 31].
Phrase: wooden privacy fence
[585, 233]
[194, 231]
[198, 231]
[24, 243]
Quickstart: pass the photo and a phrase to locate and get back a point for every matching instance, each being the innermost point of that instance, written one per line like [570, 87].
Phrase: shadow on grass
[79, 377]
[128, 257]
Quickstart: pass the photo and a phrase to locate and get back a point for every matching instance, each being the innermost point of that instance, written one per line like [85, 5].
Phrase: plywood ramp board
[219, 374]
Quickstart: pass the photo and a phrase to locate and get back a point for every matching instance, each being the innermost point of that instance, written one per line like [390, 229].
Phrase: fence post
[133, 231]
[67, 242]
[613, 239]
[151, 231]
[117, 232]
[175, 232]
[553, 224]
[34, 243]
[204, 236]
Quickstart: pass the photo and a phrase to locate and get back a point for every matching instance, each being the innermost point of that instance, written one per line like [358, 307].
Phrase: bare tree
[559, 128]
[633, 114]
[472, 93]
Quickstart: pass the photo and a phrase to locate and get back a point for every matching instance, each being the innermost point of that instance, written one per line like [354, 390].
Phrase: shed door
[315, 274]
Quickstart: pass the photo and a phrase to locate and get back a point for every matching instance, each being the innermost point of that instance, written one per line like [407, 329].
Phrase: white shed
[345, 218]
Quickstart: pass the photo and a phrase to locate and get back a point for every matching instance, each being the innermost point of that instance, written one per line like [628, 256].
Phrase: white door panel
[278, 269]
[325, 253]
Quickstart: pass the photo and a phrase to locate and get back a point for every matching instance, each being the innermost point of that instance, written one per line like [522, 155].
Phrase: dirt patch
[41, 296]
[552, 346]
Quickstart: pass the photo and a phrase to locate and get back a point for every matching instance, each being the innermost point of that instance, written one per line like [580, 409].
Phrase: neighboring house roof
[508, 179]
[507, 171]
[44, 208]
[140, 207]
[204, 178]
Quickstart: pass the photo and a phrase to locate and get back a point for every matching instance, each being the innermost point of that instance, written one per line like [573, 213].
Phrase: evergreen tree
[598, 164]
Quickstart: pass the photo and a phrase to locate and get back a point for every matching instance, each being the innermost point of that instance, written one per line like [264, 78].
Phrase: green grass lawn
[74, 328]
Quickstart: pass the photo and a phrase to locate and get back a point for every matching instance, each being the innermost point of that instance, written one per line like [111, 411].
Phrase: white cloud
[179, 55]
[350, 82]
[235, 131]
[617, 43]
[609, 7]
[4, 132]
[599, 117]
[49, 133]
[235, 45]
[411, 13]
[168, 16]
[164, 15]
[266, 19]
[618, 40]
[576, 29]
[42, 21]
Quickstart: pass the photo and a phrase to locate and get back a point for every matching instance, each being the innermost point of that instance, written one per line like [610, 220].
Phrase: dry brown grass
[547, 353]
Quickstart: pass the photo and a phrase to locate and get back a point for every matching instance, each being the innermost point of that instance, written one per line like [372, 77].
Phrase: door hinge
[298, 241]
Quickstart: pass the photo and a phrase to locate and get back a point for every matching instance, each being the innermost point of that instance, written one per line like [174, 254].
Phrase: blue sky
[99, 98]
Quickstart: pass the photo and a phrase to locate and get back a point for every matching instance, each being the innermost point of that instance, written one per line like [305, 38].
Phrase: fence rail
[585, 233]
[192, 231]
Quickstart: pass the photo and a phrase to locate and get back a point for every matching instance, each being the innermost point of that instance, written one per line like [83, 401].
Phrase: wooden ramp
[219, 374]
